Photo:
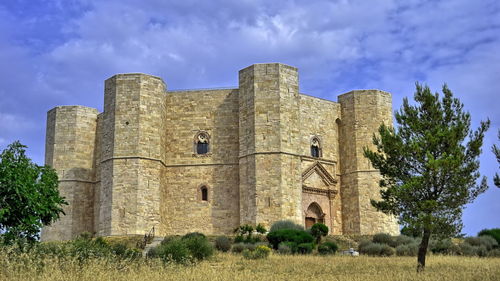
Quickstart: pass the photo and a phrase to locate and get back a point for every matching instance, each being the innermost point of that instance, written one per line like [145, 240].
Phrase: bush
[409, 250]
[193, 234]
[487, 241]
[286, 248]
[260, 252]
[376, 249]
[184, 250]
[223, 244]
[305, 248]
[260, 229]
[387, 251]
[285, 224]
[443, 246]
[240, 247]
[239, 239]
[494, 232]
[402, 240]
[85, 248]
[495, 253]
[319, 230]
[173, 251]
[327, 248]
[383, 238]
[199, 247]
[288, 235]
[363, 244]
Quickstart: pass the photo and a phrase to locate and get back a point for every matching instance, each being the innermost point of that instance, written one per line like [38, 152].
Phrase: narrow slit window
[204, 193]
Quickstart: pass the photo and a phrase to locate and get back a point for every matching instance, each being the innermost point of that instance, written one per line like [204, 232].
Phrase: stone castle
[211, 160]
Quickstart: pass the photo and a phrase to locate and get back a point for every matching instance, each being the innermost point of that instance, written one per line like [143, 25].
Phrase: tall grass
[225, 266]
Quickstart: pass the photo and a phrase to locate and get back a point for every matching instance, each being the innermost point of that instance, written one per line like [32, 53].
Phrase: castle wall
[132, 154]
[188, 113]
[362, 113]
[71, 133]
[318, 119]
[269, 137]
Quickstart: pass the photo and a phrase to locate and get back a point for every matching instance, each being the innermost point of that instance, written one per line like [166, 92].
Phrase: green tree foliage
[429, 165]
[496, 150]
[29, 197]
[319, 230]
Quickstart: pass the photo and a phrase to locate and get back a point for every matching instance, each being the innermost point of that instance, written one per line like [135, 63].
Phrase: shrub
[199, 247]
[327, 248]
[288, 235]
[319, 230]
[443, 246]
[260, 252]
[239, 239]
[223, 244]
[240, 247]
[387, 251]
[84, 248]
[383, 238]
[193, 234]
[410, 250]
[494, 232]
[402, 240]
[260, 229]
[169, 238]
[285, 248]
[363, 244]
[173, 251]
[285, 224]
[305, 248]
[377, 249]
[494, 253]
[487, 241]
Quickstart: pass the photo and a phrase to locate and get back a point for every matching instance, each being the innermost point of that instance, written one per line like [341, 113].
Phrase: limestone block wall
[71, 134]
[362, 113]
[319, 119]
[269, 116]
[132, 154]
[182, 210]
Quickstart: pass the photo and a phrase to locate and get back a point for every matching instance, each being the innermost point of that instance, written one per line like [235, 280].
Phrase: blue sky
[59, 52]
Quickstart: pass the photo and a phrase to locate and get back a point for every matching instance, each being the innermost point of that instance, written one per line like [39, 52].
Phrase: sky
[59, 52]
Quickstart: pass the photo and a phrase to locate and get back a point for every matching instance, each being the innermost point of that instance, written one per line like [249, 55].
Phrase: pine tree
[429, 165]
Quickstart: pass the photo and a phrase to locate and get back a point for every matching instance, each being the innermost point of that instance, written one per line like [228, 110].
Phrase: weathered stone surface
[135, 166]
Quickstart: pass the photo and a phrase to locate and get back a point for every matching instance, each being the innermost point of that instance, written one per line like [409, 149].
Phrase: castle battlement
[209, 160]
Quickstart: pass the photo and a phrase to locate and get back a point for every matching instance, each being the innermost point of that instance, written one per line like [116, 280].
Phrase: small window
[204, 193]
[315, 147]
[202, 142]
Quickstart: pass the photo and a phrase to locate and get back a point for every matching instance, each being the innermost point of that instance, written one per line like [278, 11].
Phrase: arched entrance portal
[314, 214]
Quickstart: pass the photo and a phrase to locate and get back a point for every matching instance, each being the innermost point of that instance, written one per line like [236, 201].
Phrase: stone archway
[314, 214]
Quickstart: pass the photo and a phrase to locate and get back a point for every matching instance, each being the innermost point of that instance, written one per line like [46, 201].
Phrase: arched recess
[203, 193]
[314, 214]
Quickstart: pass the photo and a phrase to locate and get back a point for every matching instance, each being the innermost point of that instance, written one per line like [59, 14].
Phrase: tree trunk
[422, 250]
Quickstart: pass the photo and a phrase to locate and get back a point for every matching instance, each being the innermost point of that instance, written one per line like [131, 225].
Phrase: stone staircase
[156, 241]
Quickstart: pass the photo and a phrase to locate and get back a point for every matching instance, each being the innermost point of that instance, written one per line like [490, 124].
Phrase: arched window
[315, 147]
[202, 143]
[204, 193]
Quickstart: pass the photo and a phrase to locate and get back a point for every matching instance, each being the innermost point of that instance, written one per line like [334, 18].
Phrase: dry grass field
[276, 267]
